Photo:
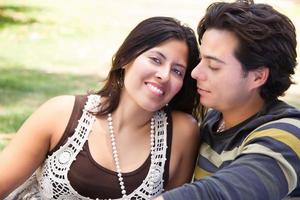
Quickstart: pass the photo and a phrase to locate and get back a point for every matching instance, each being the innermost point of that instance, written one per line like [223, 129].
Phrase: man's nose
[198, 72]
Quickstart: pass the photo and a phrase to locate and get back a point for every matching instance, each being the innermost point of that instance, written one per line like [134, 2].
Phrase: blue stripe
[225, 163]
[258, 169]
[206, 164]
[277, 146]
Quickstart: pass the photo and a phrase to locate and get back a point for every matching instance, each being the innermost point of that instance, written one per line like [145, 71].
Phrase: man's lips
[202, 91]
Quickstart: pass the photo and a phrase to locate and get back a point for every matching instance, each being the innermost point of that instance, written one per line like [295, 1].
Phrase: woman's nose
[163, 73]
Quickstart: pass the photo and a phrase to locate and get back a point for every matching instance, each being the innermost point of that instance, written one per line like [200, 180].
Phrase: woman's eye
[178, 72]
[156, 60]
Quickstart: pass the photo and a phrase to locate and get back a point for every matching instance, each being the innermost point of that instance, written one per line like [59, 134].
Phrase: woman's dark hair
[146, 35]
[266, 38]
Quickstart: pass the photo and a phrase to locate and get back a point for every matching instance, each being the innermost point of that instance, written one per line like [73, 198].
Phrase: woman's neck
[130, 115]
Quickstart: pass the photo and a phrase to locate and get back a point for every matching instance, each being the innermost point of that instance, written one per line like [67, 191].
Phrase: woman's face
[154, 77]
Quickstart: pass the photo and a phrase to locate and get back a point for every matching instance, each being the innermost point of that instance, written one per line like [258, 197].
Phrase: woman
[131, 140]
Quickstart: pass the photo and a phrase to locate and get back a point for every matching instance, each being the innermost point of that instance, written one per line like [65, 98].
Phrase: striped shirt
[256, 160]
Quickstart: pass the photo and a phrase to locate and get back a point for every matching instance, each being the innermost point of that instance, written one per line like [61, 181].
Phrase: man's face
[221, 82]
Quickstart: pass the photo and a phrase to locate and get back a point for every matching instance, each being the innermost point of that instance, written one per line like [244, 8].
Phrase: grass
[46, 50]
[3, 143]
[41, 34]
[53, 47]
[23, 90]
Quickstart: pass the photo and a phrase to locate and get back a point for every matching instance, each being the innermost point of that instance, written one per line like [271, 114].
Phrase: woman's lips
[155, 88]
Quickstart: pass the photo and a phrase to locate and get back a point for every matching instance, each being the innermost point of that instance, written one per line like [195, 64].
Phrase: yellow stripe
[285, 137]
[207, 152]
[200, 173]
[217, 159]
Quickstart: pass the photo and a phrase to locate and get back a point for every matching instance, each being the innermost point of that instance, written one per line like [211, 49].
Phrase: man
[250, 145]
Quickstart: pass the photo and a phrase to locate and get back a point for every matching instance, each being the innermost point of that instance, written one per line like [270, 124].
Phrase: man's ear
[260, 76]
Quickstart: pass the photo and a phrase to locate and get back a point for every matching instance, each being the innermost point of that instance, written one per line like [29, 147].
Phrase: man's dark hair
[266, 38]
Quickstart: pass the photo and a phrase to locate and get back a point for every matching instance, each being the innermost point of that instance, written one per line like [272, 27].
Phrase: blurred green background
[52, 47]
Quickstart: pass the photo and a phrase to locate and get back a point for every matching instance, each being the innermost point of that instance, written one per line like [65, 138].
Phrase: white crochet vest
[52, 175]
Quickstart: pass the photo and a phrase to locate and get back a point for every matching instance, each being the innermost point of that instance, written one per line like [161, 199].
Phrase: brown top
[92, 180]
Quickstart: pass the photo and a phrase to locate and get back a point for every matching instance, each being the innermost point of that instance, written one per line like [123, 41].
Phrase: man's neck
[236, 116]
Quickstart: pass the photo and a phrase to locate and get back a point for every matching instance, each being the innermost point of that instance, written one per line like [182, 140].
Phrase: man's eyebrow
[214, 58]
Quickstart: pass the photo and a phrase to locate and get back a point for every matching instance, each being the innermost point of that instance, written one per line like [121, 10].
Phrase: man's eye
[213, 68]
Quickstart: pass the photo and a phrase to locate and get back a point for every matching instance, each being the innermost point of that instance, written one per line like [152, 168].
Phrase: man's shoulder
[280, 109]
[279, 115]
[276, 115]
[281, 124]
[276, 133]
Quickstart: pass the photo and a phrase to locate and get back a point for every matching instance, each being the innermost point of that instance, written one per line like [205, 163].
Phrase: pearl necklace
[116, 157]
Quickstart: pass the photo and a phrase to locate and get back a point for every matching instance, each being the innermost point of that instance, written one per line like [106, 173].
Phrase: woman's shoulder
[184, 119]
[184, 125]
[56, 113]
[63, 101]
[184, 148]
[55, 106]
[59, 106]
[55, 110]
